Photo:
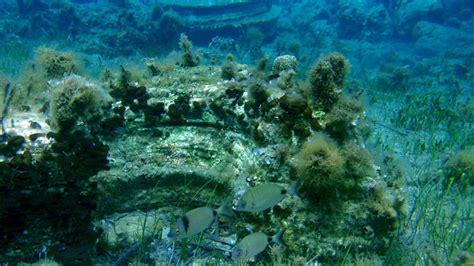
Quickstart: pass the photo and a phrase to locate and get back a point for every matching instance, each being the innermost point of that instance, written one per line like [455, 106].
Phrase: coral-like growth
[49, 195]
[189, 58]
[56, 64]
[153, 68]
[327, 80]
[284, 67]
[286, 81]
[178, 110]
[358, 161]
[129, 92]
[48, 65]
[294, 104]
[229, 71]
[77, 100]
[171, 24]
[257, 95]
[252, 41]
[460, 168]
[284, 63]
[343, 119]
[386, 208]
[294, 111]
[262, 64]
[320, 167]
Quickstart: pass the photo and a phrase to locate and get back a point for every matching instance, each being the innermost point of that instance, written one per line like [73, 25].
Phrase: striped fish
[197, 220]
[254, 244]
[264, 196]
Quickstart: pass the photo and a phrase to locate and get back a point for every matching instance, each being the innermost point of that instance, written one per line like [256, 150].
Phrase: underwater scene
[237, 132]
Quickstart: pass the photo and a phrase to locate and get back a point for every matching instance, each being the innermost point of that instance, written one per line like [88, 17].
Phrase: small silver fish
[253, 244]
[197, 220]
[6, 91]
[3, 135]
[7, 99]
[264, 196]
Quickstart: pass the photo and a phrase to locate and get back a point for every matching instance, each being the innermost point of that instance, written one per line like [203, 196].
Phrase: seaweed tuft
[320, 166]
[189, 59]
[327, 80]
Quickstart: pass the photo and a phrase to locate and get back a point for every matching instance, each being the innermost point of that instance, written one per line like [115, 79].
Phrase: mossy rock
[327, 80]
[460, 168]
[56, 64]
[77, 100]
[342, 120]
[320, 166]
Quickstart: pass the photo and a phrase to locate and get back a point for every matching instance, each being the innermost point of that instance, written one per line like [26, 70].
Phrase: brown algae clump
[460, 168]
[77, 100]
[358, 161]
[321, 168]
[342, 120]
[189, 58]
[327, 80]
[55, 63]
[229, 68]
[284, 63]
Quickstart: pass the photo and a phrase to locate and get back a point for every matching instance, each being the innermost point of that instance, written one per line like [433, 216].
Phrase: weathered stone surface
[199, 3]
[433, 39]
[362, 18]
[419, 8]
[215, 14]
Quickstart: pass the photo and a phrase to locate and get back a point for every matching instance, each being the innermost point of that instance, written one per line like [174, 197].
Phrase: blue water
[100, 102]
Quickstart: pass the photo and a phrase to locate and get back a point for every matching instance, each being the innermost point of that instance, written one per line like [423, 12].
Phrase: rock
[322, 33]
[362, 19]
[223, 14]
[433, 39]
[284, 63]
[417, 10]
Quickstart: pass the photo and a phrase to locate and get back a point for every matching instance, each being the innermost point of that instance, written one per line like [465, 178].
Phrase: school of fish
[256, 199]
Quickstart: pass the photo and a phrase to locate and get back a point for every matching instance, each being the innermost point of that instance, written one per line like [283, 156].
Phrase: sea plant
[77, 100]
[171, 24]
[56, 64]
[127, 89]
[284, 63]
[358, 161]
[320, 166]
[49, 195]
[327, 80]
[189, 58]
[252, 41]
[460, 168]
[257, 95]
[229, 70]
[439, 216]
[342, 120]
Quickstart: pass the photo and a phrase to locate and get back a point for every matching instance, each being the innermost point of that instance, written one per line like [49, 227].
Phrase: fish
[4, 111]
[35, 125]
[7, 99]
[6, 91]
[197, 220]
[254, 244]
[264, 196]
[3, 133]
